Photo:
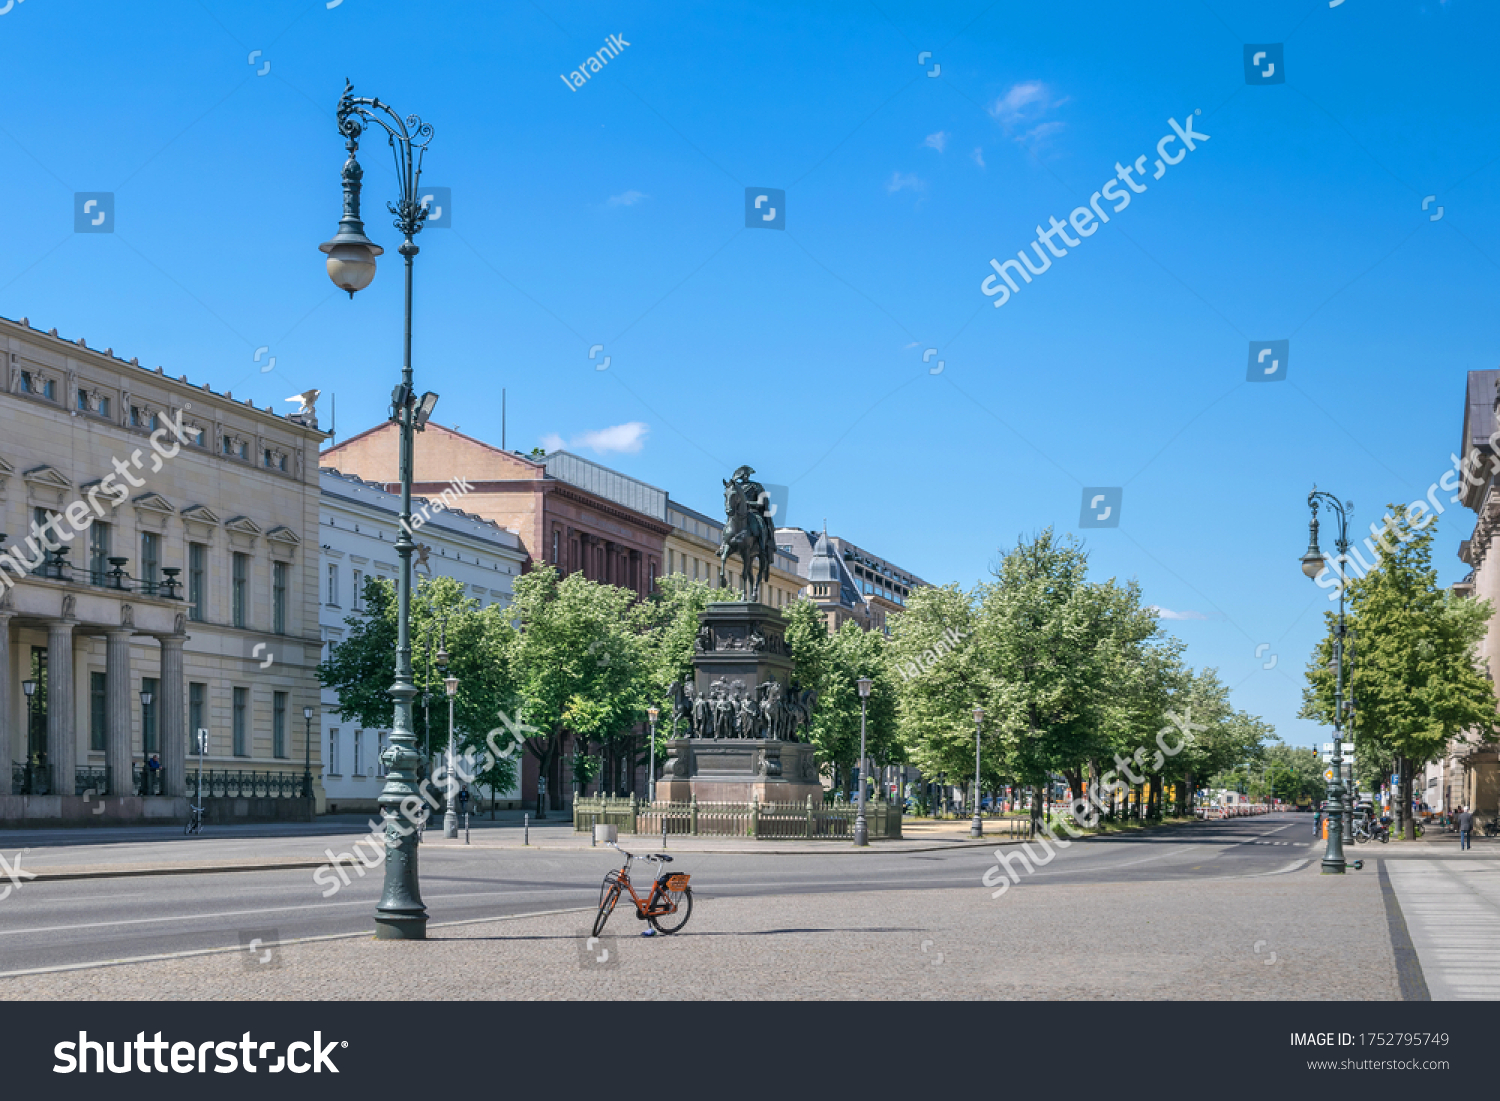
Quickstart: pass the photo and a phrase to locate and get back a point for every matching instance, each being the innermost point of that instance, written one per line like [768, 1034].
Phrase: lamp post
[307, 713]
[146, 770]
[651, 713]
[450, 815]
[976, 828]
[861, 828]
[351, 265]
[1313, 564]
[29, 687]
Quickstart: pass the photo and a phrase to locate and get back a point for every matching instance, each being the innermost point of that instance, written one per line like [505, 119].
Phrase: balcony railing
[55, 566]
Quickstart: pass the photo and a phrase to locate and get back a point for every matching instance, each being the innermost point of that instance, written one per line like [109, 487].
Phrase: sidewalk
[1215, 940]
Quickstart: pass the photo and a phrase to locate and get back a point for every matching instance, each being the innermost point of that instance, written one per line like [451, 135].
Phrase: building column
[173, 717]
[7, 739]
[118, 712]
[62, 743]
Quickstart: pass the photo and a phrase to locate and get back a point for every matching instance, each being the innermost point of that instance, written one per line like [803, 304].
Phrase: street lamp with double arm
[400, 914]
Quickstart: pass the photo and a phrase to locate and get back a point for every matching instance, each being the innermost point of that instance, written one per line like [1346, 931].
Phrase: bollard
[526, 829]
[664, 831]
[466, 827]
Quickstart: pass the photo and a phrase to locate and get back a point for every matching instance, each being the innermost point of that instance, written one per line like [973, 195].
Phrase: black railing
[88, 778]
[247, 784]
[31, 778]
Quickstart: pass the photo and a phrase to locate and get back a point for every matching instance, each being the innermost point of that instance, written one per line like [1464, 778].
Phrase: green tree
[832, 664]
[1415, 677]
[578, 662]
[939, 676]
[360, 669]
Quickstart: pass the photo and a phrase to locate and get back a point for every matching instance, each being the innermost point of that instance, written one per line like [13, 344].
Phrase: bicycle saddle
[664, 858]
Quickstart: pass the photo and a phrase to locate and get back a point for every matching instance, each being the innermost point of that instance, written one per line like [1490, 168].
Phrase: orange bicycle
[668, 907]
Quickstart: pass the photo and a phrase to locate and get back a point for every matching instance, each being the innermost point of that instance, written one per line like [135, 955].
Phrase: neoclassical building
[158, 576]
[1469, 774]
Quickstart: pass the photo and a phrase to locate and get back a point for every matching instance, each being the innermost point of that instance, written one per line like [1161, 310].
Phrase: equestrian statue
[748, 532]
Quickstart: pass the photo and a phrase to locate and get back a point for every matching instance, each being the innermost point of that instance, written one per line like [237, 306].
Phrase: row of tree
[1075, 678]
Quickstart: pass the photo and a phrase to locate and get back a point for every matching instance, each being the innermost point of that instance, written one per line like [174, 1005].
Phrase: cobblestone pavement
[1218, 939]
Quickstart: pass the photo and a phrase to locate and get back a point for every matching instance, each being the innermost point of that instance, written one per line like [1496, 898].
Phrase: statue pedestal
[736, 770]
[743, 717]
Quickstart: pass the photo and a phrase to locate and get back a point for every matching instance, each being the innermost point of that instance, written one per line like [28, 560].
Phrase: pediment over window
[283, 534]
[244, 525]
[201, 514]
[48, 476]
[155, 502]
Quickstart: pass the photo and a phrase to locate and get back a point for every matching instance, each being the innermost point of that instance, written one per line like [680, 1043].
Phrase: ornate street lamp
[1313, 564]
[351, 265]
[861, 828]
[307, 714]
[976, 828]
[450, 813]
[651, 713]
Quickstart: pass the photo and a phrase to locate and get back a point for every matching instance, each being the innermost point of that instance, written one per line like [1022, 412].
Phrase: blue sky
[614, 214]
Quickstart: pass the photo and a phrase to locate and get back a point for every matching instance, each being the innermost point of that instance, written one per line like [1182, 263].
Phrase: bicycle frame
[646, 908]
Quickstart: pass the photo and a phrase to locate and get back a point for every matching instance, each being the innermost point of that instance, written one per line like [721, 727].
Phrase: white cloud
[1021, 111]
[938, 141]
[626, 198]
[978, 155]
[1020, 103]
[626, 438]
[904, 181]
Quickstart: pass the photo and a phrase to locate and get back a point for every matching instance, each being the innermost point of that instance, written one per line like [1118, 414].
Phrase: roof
[609, 484]
[1479, 425]
[375, 495]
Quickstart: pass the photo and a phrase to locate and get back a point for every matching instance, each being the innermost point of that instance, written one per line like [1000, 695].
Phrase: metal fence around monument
[695, 818]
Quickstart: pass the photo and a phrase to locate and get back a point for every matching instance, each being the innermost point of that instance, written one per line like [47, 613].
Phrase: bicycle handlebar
[660, 858]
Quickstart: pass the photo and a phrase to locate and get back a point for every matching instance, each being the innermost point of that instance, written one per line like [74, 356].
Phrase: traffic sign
[1328, 774]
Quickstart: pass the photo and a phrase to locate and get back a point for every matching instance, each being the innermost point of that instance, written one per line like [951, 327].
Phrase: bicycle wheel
[673, 922]
[609, 894]
[1385, 836]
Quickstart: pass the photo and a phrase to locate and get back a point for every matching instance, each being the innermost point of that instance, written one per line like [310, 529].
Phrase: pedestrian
[153, 783]
[1465, 827]
[1318, 822]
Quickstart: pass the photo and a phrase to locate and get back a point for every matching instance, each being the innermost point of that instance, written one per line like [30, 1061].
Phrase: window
[333, 586]
[99, 552]
[197, 570]
[359, 753]
[278, 724]
[554, 546]
[197, 716]
[333, 752]
[103, 406]
[149, 740]
[356, 597]
[83, 399]
[241, 588]
[278, 597]
[97, 712]
[241, 721]
[140, 417]
[150, 559]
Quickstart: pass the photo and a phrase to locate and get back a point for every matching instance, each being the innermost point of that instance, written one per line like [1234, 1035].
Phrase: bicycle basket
[677, 882]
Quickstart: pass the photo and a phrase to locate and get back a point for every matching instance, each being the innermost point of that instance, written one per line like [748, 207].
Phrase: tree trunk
[1410, 830]
[1036, 809]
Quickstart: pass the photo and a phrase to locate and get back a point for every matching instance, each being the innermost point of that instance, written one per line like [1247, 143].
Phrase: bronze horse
[749, 534]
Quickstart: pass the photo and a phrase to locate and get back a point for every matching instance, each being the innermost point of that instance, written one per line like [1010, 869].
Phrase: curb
[97, 872]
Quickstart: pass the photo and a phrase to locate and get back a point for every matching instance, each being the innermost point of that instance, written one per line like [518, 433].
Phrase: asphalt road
[70, 923]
